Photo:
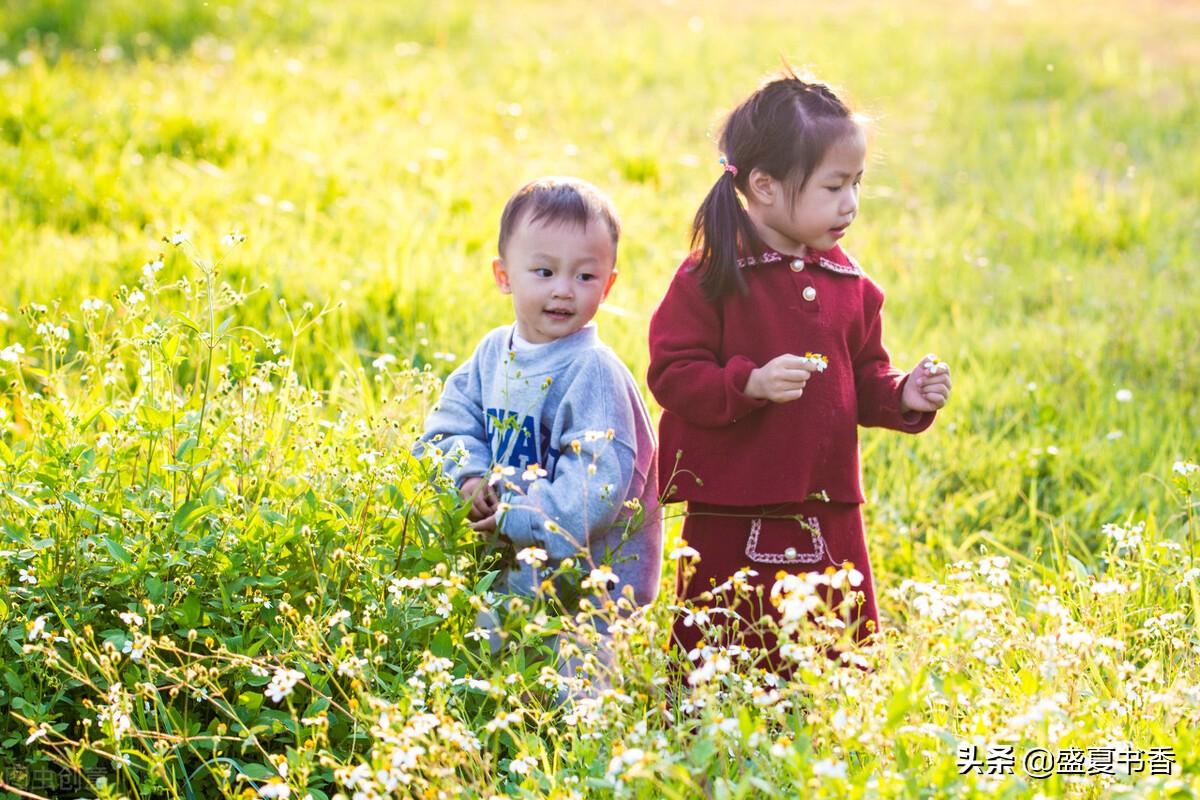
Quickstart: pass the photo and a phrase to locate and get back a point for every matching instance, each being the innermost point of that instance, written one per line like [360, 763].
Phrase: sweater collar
[835, 260]
[552, 354]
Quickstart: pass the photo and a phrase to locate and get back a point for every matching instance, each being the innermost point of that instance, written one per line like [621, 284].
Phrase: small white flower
[179, 237]
[27, 575]
[38, 733]
[533, 472]
[1124, 395]
[282, 683]
[132, 619]
[828, 768]
[383, 362]
[12, 354]
[499, 473]
[92, 305]
[535, 557]
[275, 787]
[847, 575]
[232, 238]
[36, 628]
[133, 652]
[600, 579]
[523, 765]
[135, 297]
[1184, 468]
[1108, 587]
[685, 551]
[503, 722]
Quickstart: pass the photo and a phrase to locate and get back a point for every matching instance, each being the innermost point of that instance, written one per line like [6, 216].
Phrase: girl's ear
[500, 273]
[761, 188]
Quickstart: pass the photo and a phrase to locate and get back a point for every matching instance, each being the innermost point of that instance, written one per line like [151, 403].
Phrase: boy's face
[558, 275]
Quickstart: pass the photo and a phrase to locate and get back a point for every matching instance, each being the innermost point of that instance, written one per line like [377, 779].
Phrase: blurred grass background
[1030, 204]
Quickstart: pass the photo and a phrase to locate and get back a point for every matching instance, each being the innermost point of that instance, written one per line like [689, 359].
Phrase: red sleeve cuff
[737, 373]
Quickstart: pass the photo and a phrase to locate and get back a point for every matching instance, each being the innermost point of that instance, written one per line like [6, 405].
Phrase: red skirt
[768, 540]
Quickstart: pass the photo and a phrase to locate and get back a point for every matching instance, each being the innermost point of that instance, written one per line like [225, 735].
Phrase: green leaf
[187, 321]
[442, 645]
[257, 771]
[155, 418]
[117, 551]
[252, 701]
[184, 446]
[188, 514]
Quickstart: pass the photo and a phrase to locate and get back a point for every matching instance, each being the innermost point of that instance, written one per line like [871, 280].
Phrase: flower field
[241, 243]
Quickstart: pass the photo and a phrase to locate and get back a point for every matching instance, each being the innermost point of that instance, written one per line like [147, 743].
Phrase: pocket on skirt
[775, 540]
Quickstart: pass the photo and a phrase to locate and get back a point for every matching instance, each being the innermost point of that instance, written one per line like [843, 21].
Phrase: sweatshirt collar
[835, 260]
[552, 354]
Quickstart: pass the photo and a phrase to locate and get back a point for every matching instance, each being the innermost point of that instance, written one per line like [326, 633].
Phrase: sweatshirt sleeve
[456, 425]
[879, 385]
[585, 494]
[686, 375]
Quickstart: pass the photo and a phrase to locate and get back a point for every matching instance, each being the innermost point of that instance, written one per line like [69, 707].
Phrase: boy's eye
[542, 272]
[586, 276]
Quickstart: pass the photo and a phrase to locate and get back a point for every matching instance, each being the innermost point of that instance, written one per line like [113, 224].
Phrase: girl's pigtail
[722, 231]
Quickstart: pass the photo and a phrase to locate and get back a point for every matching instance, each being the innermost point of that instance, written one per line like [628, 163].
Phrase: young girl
[766, 354]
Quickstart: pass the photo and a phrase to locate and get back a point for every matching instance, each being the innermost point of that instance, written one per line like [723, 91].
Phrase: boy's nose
[562, 290]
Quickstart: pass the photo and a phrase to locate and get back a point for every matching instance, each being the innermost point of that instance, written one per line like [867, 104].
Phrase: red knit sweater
[738, 451]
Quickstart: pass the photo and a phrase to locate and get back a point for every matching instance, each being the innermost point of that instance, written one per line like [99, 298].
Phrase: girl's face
[824, 209]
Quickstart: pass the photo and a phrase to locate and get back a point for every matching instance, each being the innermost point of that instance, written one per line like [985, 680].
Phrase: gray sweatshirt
[571, 408]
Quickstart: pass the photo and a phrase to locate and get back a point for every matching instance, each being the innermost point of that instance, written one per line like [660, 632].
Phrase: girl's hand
[482, 497]
[928, 386]
[780, 380]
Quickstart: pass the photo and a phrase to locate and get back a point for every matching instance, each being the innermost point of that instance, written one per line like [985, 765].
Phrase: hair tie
[728, 167]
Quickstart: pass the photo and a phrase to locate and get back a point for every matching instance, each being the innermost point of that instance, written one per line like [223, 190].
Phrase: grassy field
[223, 435]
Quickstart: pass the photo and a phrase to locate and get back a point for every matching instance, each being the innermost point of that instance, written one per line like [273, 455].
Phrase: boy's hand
[928, 386]
[780, 380]
[485, 524]
[483, 500]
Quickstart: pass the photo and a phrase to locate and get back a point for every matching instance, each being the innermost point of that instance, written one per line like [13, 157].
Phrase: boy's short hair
[559, 200]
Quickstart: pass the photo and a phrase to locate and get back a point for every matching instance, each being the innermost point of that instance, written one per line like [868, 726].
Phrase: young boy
[543, 429]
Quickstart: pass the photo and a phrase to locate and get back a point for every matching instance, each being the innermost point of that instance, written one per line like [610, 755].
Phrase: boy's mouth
[558, 313]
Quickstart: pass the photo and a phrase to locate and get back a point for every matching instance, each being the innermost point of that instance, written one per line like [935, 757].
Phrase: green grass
[1029, 207]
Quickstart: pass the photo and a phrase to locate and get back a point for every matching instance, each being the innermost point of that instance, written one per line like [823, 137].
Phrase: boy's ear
[761, 187]
[500, 273]
[611, 280]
